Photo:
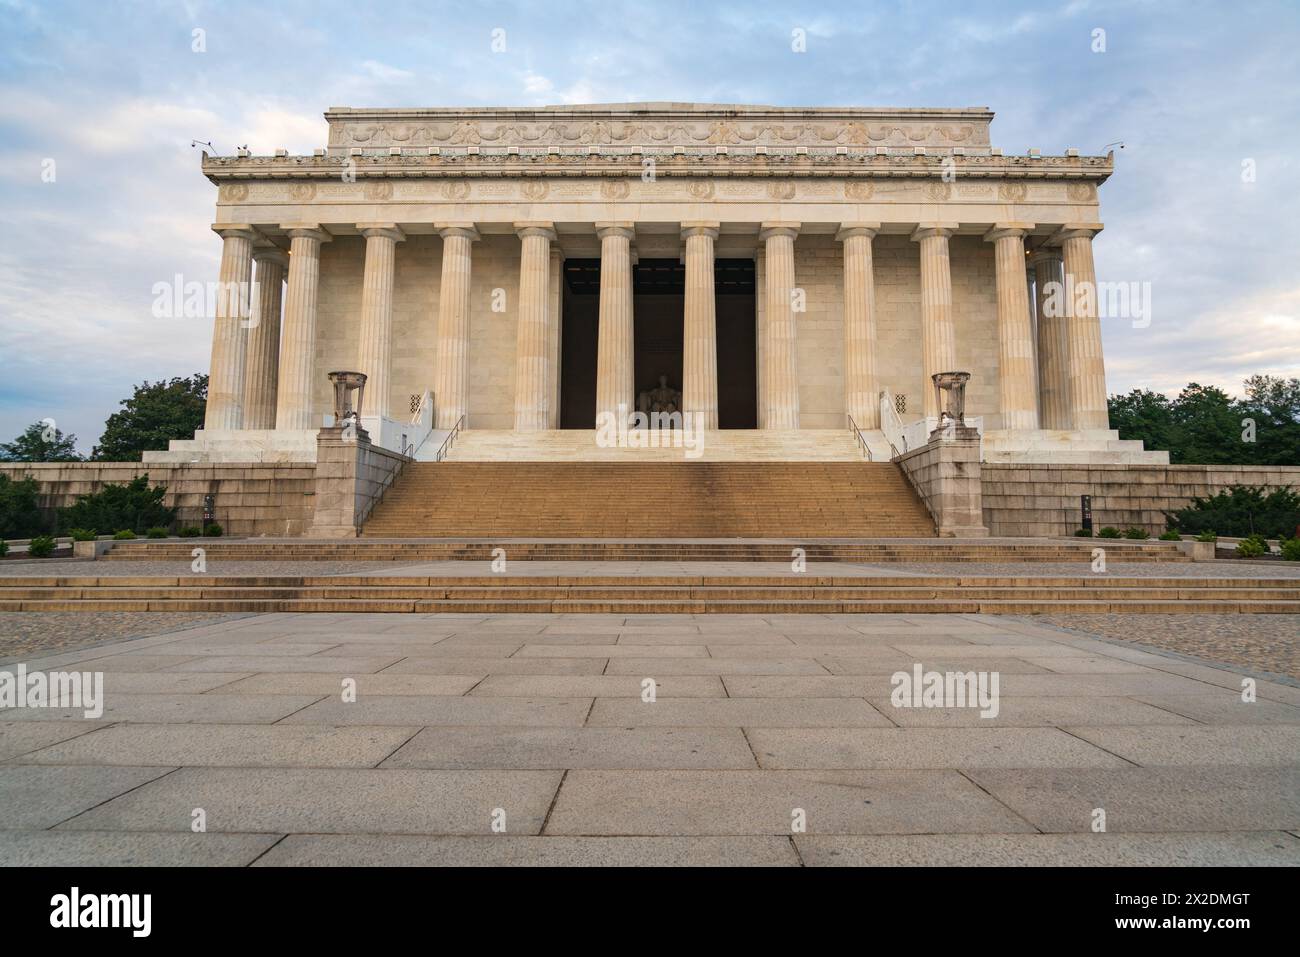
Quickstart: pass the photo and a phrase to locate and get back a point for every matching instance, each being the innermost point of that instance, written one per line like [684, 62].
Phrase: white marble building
[784, 268]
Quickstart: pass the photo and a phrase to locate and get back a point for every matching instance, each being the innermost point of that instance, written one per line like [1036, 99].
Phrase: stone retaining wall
[1040, 501]
[250, 500]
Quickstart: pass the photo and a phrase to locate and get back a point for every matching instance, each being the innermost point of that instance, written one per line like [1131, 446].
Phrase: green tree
[40, 442]
[135, 505]
[1145, 415]
[154, 415]
[20, 508]
[1273, 404]
[1207, 428]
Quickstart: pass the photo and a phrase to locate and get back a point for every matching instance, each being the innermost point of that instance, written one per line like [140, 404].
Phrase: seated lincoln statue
[661, 399]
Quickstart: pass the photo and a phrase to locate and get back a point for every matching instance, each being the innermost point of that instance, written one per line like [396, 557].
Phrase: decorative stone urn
[950, 399]
[346, 406]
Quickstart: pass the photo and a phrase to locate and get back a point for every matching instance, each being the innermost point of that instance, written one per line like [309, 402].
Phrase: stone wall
[250, 500]
[1040, 501]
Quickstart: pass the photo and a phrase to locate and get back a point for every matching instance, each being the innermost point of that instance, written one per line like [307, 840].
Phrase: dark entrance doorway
[658, 303]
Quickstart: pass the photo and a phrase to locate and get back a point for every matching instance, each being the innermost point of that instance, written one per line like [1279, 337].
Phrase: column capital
[849, 230]
[1075, 231]
[465, 230]
[1045, 254]
[1004, 230]
[625, 229]
[929, 230]
[306, 231]
[236, 231]
[271, 254]
[700, 228]
[543, 229]
[771, 228]
[386, 230]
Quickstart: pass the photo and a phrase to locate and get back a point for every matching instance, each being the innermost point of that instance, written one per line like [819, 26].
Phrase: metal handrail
[862, 441]
[446, 443]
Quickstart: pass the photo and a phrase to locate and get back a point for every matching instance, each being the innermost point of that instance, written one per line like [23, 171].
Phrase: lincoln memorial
[794, 275]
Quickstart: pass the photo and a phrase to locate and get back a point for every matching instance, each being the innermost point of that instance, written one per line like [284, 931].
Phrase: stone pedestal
[351, 476]
[946, 474]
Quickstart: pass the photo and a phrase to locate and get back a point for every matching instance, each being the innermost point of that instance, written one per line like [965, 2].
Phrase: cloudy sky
[113, 92]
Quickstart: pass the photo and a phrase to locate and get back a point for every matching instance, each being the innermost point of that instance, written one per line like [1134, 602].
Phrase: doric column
[1087, 368]
[778, 402]
[298, 340]
[700, 327]
[861, 391]
[451, 376]
[556, 340]
[375, 349]
[614, 337]
[1017, 377]
[262, 366]
[938, 344]
[225, 409]
[1053, 340]
[533, 372]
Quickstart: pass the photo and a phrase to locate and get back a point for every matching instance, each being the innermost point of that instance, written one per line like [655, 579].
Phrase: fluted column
[225, 409]
[1053, 340]
[778, 402]
[262, 365]
[700, 327]
[451, 376]
[375, 348]
[938, 343]
[861, 390]
[555, 342]
[1017, 377]
[615, 344]
[1087, 368]
[533, 372]
[298, 339]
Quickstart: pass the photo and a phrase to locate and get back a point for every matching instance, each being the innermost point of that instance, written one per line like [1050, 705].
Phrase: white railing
[904, 438]
[421, 425]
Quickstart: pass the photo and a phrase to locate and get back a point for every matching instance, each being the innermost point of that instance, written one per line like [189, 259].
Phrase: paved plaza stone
[622, 740]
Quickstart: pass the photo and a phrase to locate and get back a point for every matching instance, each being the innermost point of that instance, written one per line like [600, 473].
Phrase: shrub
[157, 532]
[20, 508]
[42, 546]
[134, 505]
[82, 534]
[190, 531]
[1083, 533]
[1109, 532]
[125, 535]
[1252, 547]
[1207, 536]
[1291, 549]
[1138, 534]
[212, 531]
[1242, 510]
[1170, 536]
[4, 548]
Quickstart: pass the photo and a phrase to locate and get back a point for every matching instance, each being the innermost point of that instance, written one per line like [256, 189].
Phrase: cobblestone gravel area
[1268, 643]
[29, 634]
